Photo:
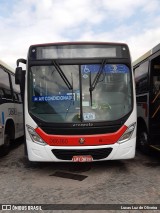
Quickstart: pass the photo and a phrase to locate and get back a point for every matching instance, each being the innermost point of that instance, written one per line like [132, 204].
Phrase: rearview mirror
[18, 75]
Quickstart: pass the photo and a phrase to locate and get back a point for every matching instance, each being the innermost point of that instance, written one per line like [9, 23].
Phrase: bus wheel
[6, 146]
[143, 141]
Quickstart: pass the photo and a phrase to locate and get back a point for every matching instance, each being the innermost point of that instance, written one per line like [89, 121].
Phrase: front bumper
[41, 153]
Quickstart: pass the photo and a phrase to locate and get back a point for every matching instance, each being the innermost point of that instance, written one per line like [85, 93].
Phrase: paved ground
[134, 181]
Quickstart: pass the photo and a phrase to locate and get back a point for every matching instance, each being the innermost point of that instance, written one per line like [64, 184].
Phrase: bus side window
[19, 98]
[7, 94]
[16, 98]
[156, 77]
[141, 78]
[1, 94]
[16, 89]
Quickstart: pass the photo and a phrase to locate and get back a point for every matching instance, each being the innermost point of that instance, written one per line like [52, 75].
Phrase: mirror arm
[21, 60]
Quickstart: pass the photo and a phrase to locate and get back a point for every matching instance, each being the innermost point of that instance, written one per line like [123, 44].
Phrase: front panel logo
[81, 140]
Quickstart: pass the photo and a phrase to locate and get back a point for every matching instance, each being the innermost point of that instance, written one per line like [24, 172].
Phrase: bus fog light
[34, 136]
[127, 134]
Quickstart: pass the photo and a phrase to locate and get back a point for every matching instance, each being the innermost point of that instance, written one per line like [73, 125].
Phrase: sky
[27, 22]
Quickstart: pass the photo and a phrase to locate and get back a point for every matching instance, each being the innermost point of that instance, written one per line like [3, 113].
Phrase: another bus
[79, 102]
[147, 77]
[11, 113]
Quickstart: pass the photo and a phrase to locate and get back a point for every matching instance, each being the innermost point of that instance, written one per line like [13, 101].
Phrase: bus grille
[97, 154]
[80, 131]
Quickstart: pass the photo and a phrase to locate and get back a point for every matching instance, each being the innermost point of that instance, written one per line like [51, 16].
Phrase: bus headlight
[34, 136]
[127, 134]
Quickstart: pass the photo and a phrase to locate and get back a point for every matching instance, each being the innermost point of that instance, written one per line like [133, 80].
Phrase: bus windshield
[52, 100]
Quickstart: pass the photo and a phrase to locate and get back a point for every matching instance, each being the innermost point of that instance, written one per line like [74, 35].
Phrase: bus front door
[155, 103]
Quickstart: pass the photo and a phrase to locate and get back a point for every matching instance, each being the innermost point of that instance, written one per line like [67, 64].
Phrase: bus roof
[147, 54]
[79, 43]
[4, 65]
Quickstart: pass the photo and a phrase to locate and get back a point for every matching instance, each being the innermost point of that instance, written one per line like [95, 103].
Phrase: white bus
[147, 77]
[11, 113]
[79, 102]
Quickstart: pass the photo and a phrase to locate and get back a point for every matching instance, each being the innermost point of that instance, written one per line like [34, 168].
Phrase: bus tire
[6, 146]
[143, 140]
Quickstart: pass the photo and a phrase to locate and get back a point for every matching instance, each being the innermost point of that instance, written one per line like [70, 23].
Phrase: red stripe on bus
[81, 140]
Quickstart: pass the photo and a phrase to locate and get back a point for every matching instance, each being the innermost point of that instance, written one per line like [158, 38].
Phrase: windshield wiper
[90, 91]
[96, 79]
[61, 73]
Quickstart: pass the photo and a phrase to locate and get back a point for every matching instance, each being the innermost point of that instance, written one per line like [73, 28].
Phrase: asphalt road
[135, 181]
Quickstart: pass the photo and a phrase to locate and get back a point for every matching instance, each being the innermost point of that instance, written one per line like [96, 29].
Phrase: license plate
[82, 158]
